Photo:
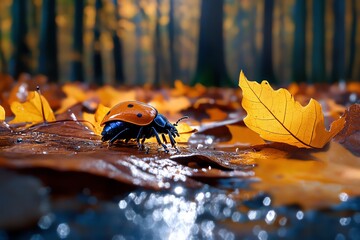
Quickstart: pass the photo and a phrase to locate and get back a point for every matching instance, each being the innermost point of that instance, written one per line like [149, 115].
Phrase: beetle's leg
[172, 140]
[142, 146]
[158, 139]
[117, 136]
[139, 135]
[164, 138]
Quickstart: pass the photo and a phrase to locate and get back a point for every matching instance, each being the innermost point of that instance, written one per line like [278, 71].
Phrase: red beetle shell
[134, 112]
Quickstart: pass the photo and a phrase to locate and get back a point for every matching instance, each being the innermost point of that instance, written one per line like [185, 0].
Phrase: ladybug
[137, 120]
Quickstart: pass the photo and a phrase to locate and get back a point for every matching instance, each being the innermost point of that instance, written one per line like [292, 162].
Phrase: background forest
[138, 42]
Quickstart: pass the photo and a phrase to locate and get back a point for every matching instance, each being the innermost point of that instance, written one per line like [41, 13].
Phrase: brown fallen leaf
[350, 134]
[277, 117]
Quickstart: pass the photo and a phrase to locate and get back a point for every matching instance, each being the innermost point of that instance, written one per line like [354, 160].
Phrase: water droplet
[178, 190]
[200, 197]
[340, 236]
[267, 201]
[345, 221]
[46, 221]
[118, 237]
[299, 215]
[252, 215]
[209, 140]
[343, 197]
[270, 217]
[122, 204]
[353, 97]
[207, 228]
[227, 212]
[236, 216]
[263, 235]
[283, 221]
[357, 217]
[36, 237]
[63, 230]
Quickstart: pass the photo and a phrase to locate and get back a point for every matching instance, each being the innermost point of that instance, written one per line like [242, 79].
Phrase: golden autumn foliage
[35, 109]
[96, 118]
[277, 117]
[2, 113]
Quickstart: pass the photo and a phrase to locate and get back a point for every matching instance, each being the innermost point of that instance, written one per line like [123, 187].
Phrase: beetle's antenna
[42, 106]
[180, 119]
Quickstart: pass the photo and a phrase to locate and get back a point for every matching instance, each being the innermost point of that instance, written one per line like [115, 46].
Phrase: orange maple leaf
[276, 116]
[35, 109]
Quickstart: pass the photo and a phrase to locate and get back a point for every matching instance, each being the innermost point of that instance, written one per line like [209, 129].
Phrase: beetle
[137, 120]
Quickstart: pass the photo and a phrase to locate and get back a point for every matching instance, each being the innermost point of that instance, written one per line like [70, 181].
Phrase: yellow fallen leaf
[276, 116]
[2, 113]
[95, 119]
[109, 96]
[172, 105]
[33, 110]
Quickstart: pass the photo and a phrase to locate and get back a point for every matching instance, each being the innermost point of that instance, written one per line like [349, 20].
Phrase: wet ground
[63, 183]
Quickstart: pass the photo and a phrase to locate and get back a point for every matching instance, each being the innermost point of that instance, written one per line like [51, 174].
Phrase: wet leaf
[277, 117]
[311, 179]
[33, 110]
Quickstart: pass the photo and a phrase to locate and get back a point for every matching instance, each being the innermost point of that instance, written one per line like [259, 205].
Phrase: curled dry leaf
[277, 117]
[350, 135]
[33, 110]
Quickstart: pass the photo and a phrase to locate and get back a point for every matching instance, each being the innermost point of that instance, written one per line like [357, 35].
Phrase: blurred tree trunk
[338, 55]
[139, 73]
[211, 68]
[299, 48]
[174, 66]
[20, 58]
[318, 51]
[48, 61]
[97, 60]
[77, 70]
[266, 64]
[349, 73]
[157, 47]
[118, 49]
[162, 75]
[3, 64]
